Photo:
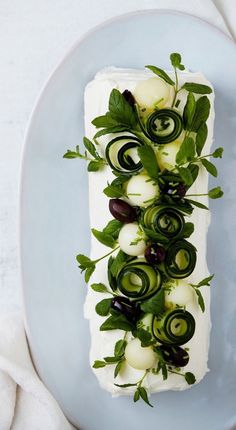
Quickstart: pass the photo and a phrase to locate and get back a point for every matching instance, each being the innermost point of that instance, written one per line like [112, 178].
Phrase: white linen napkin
[25, 403]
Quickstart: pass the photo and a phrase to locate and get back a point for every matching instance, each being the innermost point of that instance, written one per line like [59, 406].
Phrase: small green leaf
[158, 368]
[136, 395]
[111, 278]
[189, 110]
[120, 110]
[104, 121]
[111, 360]
[109, 130]
[118, 368]
[98, 364]
[198, 204]
[188, 230]
[197, 88]
[103, 307]
[84, 261]
[215, 193]
[88, 273]
[149, 161]
[99, 288]
[91, 148]
[115, 189]
[209, 167]
[120, 348]
[120, 180]
[113, 192]
[113, 228]
[158, 237]
[161, 73]
[175, 59]
[144, 336]
[200, 300]
[190, 378]
[164, 371]
[218, 153]
[118, 262]
[94, 166]
[201, 137]
[186, 175]
[186, 151]
[194, 169]
[105, 239]
[117, 322]
[144, 396]
[201, 113]
[205, 281]
[156, 304]
[71, 154]
[125, 385]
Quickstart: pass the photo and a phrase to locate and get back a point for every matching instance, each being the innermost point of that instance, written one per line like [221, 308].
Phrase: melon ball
[138, 357]
[167, 154]
[142, 190]
[152, 92]
[132, 239]
[181, 294]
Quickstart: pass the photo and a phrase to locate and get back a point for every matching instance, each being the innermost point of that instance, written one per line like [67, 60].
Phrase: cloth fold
[25, 403]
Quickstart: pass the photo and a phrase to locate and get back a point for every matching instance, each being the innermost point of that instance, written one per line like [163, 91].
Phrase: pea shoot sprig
[192, 87]
[117, 359]
[140, 392]
[196, 287]
[95, 163]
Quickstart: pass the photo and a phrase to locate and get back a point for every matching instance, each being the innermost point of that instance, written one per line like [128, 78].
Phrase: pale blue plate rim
[36, 109]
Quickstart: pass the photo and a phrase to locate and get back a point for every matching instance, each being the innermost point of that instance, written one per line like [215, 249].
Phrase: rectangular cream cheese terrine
[102, 342]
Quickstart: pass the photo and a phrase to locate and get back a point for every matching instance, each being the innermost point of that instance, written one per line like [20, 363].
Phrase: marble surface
[34, 36]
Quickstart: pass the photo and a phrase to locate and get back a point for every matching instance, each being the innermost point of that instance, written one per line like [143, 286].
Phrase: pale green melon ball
[181, 294]
[142, 190]
[139, 357]
[131, 239]
[167, 154]
[152, 92]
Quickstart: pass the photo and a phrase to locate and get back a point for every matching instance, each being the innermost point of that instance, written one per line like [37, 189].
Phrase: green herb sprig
[156, 304]
[117, 359]
[188, 376]
[141, 392]
[88, 266]
[95, 164]
[120, 116]
[214, 193]
[204, 282]
[192, 87]
[186, 154]
[108, 236]
[116, 188]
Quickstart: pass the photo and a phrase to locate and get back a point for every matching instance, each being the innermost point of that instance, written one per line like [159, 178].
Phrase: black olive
[155, 254]
[123, 305]
[181, 190]
[129, 97]
[175, 190]
[174, 355]
[122, 211]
